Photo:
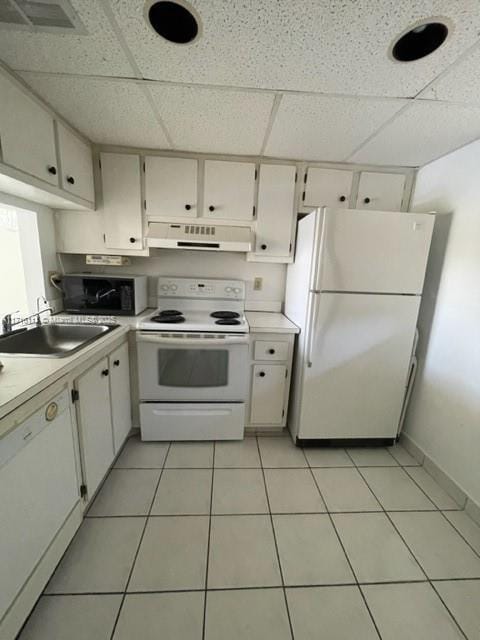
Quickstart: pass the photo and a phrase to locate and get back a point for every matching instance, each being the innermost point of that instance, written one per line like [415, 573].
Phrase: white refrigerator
[354, 290]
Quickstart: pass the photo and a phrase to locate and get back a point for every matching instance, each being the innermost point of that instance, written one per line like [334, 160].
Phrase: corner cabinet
[271, 357]
[102, 398]
[121, 201]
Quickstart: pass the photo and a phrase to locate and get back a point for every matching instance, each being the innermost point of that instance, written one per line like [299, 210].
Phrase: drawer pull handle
[116, 363]
[262, 374]
[71, 180]
[105, 372]
[271, 351]
[27, 435]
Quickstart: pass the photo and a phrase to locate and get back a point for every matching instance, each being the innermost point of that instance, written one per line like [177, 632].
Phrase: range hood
[170, 235]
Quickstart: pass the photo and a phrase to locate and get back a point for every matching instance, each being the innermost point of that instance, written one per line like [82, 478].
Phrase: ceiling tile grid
[422, 132]
[97, 53]
[306, 45]
[460, 84]
[106, 111]
[213, 120]
[324, 127]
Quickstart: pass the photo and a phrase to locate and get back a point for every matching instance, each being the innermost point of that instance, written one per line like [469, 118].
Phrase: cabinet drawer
[270, 350]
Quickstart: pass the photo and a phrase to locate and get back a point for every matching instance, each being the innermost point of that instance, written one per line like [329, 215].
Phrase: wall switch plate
[257, 284]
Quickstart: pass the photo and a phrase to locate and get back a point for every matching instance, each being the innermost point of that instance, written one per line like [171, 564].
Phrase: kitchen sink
[52, 340]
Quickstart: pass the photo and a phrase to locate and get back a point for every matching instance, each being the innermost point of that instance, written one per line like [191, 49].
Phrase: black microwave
[104, 294]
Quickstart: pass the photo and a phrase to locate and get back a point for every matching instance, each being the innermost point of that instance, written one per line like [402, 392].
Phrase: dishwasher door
[38, 490]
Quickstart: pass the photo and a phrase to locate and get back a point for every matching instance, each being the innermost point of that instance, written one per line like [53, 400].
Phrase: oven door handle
[187, 342]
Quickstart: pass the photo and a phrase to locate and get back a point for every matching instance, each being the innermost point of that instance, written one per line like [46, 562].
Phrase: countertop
[24, 377]
[269, 322]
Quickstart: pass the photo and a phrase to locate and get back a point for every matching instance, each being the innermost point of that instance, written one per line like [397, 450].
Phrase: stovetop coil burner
[225, 321]
[225, 315]
[168, 316]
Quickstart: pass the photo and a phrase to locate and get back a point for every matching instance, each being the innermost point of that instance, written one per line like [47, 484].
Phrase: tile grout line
[208, 546]
[139, 545]
[413, 555]
[343, 548]
[275, 541]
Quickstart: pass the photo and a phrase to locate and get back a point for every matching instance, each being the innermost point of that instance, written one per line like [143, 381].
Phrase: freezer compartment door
[356, 365]
[373, 251]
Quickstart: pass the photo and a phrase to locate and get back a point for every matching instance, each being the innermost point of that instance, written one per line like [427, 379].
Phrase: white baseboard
[444, 480]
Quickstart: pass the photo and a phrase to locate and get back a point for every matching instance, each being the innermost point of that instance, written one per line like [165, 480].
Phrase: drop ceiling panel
[307, 45]
[214, 120]
[461, 84]
[106, 111]
[97, 53]
[424, 131]
[326, 128]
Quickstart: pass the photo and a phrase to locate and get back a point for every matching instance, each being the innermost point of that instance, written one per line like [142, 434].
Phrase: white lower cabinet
[271, 363]
[103, 415]
[38, 491]
[120, 395]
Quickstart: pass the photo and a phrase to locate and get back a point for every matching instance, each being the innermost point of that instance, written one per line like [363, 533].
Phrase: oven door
[188, 368]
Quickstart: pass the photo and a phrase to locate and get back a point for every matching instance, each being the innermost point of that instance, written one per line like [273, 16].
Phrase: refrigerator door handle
[311, 329]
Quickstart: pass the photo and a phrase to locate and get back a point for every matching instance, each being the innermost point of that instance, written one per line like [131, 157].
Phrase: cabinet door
[120, 395]
[229, 190]
[268, 394]
[327, 188]
[276, 191]
[122, 201]
[77, 164]
[380, 191]
[26, 134]
[171, 187]
[95, 421]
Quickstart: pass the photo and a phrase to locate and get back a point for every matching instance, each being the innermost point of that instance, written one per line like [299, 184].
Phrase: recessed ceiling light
[420, 40]
[175, 21]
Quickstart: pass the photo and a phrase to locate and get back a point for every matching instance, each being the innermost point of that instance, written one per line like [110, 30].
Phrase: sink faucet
[8, 324]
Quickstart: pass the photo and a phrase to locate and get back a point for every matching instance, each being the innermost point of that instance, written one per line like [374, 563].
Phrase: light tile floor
[263, 540]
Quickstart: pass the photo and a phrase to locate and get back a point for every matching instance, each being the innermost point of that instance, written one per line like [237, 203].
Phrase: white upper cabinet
[276, 194]
[380, 191]
[171, 187]
[77, 166]
[327, 188]
[26, 134]
[122, 201]
[229, 190]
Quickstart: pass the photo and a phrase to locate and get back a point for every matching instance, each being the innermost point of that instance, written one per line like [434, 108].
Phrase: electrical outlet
[257, 284]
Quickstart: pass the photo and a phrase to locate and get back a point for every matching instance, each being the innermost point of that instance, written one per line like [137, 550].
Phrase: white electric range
[193, 361]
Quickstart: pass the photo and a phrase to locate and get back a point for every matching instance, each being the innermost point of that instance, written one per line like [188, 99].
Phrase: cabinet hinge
[75, 395]
[283, 413]
[143, 167]
[256, 174]
[145, 204]
[254, 211]
[100, 164]
[290, 248]
[305, 177]
[303, 196]
[83, 490]
[296, 176]
[104, 238]
[286, 373]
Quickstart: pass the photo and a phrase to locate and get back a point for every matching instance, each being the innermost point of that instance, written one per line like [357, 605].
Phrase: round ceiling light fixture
[177, 22]
[420, 40]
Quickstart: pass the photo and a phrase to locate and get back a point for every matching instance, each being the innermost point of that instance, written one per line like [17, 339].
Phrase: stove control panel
[201, 288]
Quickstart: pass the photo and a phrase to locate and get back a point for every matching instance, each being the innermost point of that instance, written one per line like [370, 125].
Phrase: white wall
[201, 264]
[444, 415]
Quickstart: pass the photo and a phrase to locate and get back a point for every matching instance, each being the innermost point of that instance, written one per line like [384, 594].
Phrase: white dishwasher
[38, 490]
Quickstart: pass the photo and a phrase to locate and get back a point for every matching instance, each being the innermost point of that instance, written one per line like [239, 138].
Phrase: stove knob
[228, 289]
[173, 287]
[236, 290]
[164, 287]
